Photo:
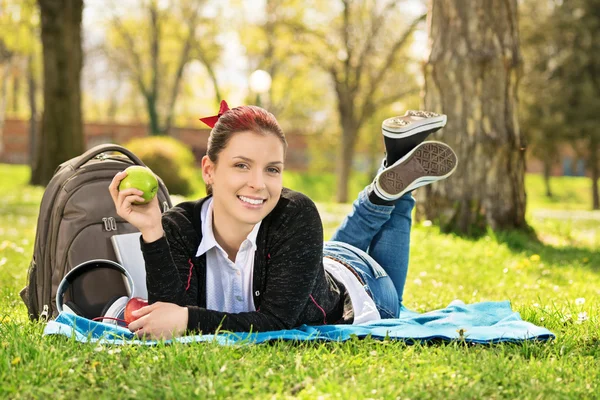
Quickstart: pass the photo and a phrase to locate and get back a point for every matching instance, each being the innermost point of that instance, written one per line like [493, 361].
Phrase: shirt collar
[208, 237]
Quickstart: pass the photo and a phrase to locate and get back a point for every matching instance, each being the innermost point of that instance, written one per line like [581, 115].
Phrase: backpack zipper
[44, 314]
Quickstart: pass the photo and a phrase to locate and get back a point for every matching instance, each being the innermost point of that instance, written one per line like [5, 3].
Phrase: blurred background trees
[561, 84]
[525, 78]
[153, 44]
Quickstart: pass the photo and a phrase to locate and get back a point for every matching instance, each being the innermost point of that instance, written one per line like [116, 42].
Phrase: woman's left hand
[160, 321]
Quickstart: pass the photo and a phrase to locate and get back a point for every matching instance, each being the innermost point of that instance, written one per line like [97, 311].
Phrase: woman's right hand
[145, 217]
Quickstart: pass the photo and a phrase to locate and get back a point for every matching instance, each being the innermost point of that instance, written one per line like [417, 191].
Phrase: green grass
[541, 279]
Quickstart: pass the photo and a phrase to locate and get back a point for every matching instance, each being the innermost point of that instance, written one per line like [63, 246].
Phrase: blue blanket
[485, 322]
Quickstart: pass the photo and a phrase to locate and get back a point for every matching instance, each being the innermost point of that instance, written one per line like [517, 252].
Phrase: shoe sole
[426, 163]
[431, 121]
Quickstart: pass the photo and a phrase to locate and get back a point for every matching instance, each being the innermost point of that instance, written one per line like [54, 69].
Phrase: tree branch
[184, 57]
[376, 24]
[154, 48]
[378, 77]
[393, 98]
[136, 66]
[347, 24]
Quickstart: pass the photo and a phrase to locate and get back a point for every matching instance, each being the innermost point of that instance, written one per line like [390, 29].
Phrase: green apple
[143, 179]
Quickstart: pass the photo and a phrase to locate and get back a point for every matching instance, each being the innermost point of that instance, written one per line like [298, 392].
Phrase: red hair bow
[211, 121]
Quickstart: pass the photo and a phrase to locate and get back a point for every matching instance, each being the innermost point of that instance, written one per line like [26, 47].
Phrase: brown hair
[241, 119]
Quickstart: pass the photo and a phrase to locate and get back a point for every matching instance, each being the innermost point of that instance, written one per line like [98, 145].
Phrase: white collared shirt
[228, 284]
[364, 307]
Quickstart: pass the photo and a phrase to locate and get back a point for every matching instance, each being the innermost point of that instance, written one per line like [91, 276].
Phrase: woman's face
[247, 178]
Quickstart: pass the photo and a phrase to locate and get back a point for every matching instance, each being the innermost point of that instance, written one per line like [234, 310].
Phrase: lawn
[554, 282]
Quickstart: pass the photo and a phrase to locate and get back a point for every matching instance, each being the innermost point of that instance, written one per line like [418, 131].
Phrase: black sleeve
[168, 263]
[296, 255]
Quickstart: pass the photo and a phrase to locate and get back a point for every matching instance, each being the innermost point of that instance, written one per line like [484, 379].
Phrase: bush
[170, 159]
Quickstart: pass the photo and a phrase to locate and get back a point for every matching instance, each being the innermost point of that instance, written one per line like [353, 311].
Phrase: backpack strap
[104, 148]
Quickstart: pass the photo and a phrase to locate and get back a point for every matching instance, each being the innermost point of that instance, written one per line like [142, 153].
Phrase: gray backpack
[76, 222]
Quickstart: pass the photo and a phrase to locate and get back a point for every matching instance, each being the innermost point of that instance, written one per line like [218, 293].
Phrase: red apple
[135, 303]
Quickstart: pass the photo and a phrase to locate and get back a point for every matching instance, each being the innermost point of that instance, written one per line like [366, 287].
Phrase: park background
[519, 81]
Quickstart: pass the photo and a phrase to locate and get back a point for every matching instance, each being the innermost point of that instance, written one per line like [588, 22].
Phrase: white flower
[582, 316]
[580, 301]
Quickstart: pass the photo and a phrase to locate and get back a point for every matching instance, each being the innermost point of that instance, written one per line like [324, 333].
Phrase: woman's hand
[160, 321]
[145, 217]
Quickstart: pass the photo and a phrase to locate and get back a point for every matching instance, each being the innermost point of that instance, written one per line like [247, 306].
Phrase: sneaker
[404, 133]
[428, 162]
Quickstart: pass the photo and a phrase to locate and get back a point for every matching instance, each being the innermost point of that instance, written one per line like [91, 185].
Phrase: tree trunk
[4, 72]
[472, 75]
[32, 84]
[62, 128]
[547, 173]
[346, 156]
[153, 123]
[595, 171]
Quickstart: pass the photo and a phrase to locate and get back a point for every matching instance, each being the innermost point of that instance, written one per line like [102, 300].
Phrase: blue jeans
[374, 240]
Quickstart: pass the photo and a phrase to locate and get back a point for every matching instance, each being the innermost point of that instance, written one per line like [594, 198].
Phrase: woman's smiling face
[246, 179]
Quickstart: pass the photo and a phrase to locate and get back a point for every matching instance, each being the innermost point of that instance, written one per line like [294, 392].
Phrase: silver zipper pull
[44, 314]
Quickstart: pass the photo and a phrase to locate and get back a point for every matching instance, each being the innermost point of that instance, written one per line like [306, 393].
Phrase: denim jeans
[374, 240]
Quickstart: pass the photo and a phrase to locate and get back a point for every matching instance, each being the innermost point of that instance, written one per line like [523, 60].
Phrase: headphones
[96, 289]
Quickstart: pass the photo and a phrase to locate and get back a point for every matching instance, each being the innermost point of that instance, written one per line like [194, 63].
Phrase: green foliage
[555, 286]
[154, 44]
[170, 159]
[320, 186]
[560, 91]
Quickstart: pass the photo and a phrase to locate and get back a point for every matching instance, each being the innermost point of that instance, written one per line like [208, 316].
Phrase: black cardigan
[290, 285]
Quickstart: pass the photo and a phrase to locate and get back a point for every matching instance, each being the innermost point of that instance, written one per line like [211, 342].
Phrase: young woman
[250, 256]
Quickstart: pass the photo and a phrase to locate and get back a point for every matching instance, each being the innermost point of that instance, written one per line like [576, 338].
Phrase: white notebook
[129, 254]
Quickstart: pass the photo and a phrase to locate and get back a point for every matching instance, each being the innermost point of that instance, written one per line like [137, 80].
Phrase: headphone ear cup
[108, 305]
[115, 309]
[74, 308]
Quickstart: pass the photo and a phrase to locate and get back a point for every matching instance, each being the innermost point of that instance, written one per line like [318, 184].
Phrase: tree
[62, 128]
[574, 61]
[561, 88]
[361, 46]
[19, 49]
[299, 90]
[472, 75]
[6, 57]
[541, 118]
[174, 35]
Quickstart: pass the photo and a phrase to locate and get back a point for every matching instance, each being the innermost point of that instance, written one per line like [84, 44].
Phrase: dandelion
[16, 360]
[114, 351]
[580, 301]
[98, 348]
[582, 316]
[417, 282]
[586, 260]
[427, 223]
[535, 258]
